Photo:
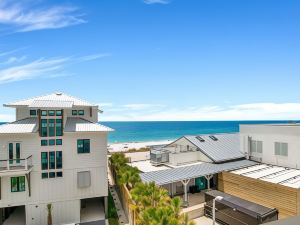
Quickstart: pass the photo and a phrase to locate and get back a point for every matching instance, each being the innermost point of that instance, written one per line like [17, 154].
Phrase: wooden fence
[283, 198]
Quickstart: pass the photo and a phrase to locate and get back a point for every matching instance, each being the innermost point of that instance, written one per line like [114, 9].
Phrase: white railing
[16, 164]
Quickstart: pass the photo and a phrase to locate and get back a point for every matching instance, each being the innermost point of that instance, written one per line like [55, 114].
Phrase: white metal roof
[224, 148]
[28, 125]
[50, 100]
[189, 172]
[274, 174]
[50, 104]
[75, 124]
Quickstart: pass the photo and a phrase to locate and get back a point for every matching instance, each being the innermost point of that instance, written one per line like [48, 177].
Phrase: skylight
[213, 138]
[200, 139]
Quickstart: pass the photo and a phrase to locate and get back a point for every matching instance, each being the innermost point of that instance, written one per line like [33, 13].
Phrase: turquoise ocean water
[154, 131]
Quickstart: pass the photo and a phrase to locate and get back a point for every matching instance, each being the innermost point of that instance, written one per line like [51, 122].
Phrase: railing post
[26, 164]
[7, 163]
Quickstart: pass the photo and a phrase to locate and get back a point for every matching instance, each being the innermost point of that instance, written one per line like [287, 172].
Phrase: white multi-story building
[54, 153]
[276, 144]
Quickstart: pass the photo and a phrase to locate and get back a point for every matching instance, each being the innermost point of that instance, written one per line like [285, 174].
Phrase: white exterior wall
[64, 212]
[269, 134]
[180, 157]
[24, 112]
[62, 192]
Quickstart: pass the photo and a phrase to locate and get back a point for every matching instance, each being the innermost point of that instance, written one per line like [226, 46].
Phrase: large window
[281, 149]
[44, 160]
[51, 113]
[74, 112]
[256, 146]
[81, 112]
[51, 124]
[58, 127]
[58, 160]
[51, 160]
[18, 152]
[83, 146]
[17, 184]
[11, 152]
[44, 128]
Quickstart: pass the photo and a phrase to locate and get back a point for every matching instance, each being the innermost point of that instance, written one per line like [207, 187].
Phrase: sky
[155, 60]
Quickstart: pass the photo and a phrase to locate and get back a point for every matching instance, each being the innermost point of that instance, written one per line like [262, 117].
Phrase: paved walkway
[204, 221]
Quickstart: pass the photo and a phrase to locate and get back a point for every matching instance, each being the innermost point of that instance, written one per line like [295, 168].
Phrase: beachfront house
[189, 149]
[54, 153]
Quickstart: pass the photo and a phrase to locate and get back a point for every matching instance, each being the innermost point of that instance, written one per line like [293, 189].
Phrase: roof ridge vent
[58, 93]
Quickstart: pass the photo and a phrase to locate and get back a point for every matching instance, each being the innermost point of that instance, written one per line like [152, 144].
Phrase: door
[14, 153]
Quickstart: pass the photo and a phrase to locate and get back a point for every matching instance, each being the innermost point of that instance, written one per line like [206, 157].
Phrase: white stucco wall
[269, 135]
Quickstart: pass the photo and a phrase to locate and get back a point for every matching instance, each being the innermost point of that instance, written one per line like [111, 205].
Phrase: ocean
[155, 131]
[163, 130]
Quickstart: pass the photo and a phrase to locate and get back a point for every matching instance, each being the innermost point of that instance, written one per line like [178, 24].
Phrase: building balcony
[10, 167]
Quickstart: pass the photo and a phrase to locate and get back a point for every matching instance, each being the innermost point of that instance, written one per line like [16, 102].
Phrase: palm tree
[49, 209]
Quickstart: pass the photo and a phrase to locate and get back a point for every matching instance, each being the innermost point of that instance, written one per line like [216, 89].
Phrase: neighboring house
[215, 148]
[276, 144]
[56, 152]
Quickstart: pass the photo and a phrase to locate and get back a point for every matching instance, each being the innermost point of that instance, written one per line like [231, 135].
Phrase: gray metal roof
[28, 125]
[225, 148]
[189, 172]
[50, 104]
[75, 124]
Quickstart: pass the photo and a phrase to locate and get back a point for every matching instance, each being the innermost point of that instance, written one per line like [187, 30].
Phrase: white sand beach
[123, 147]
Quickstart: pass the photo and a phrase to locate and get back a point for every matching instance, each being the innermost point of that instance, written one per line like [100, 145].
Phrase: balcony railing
[16, 164]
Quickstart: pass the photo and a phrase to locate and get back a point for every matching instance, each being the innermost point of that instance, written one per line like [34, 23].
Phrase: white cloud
[28, 17]
[94, 57]
[42, 67]
[14, 59]
[156, 2]
[253, 111]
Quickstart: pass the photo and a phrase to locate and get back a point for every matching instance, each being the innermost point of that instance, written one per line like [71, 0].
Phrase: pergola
[186, 173]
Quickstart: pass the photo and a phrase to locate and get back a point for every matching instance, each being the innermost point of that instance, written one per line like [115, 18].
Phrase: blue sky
[155, 59]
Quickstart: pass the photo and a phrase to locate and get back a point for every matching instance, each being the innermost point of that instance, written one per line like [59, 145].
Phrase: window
[44, 175]
[51, 113]
[32, 113]
[84, 179]
[51, 124]
[83, 146]
[17, 184]
[256, 146]
[44, 128]
[44, 113]
[51, 160]
[58, 159]
[58, 112]
[281, 149]
[52, 142]
[59, 174]
[11, 152]
[58, 141]
[74, 112]
[44, 142]
[81, 112]
[52, 175]
[44, 160]
[58, 127]
[18, 152]
[213, 138]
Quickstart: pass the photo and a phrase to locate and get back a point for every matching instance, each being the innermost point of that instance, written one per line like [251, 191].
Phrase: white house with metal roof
[54, 153]
[276, 144]
[189, 149]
